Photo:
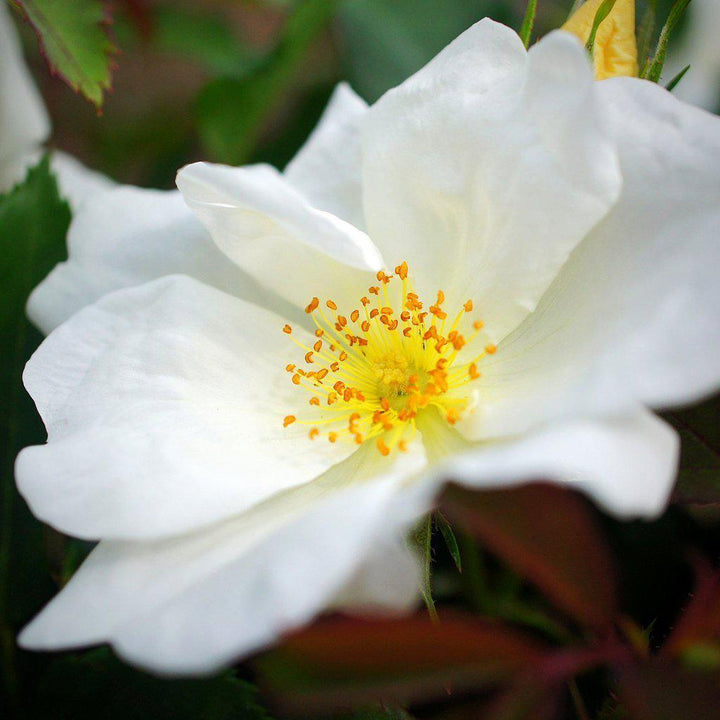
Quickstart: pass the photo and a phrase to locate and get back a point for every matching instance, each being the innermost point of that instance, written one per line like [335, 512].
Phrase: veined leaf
[74, 40]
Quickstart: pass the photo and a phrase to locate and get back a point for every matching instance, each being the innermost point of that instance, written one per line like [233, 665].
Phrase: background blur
[245, 80]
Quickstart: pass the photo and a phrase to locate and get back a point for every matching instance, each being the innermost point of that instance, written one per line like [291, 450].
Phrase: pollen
[372, 371]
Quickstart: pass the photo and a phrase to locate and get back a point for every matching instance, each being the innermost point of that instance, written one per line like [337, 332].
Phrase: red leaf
[700, 622]
[549, 535]
[341, 662]
[666, 692]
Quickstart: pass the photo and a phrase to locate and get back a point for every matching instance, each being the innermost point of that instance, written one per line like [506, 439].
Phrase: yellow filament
[372, 370]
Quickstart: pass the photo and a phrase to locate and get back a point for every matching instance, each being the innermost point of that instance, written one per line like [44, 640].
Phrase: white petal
[326, 170]
[198, 602]
[487, 167]
[164, 406]
[627, 464]
[271, 231]
[125, 237]
[77, 182]
[633, 317]
[24, 123]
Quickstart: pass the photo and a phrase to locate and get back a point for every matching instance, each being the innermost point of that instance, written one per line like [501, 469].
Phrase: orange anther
[296, 379]
[386, 311]
[374, 313]
[478, 324]
[342, 320]
[382, 447]
[321, 374]
[491, 349]
[314, 432]
[339, 386]
[290, 367]
[335, 366]
[354, 315]
[374, 290]
[364, 300]
[402, 446]
[365, 325]
[317, 346]
[331, 305]
[308, 357]
[343, 356]
[402, 270]
[384, 404]
[312, 305]
[332, 437]
[407, 331]
[314, 400]
[468, 306]
[347, 395]
[473, 371]
[319, 332]
[289, 420]
[287, 329]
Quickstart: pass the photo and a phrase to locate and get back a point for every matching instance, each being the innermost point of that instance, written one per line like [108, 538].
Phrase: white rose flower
[25, 125]
[502, 264]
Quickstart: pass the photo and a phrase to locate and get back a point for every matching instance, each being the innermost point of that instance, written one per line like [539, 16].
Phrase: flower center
[372, 372]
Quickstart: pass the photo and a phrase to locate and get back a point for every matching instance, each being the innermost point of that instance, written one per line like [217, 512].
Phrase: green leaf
[653, 69]
[676, 80]
[550, 536]
[232, 111]
[202, 36]
[602, 12]
[33, 223]
[528, 22]
[423, 540]
[384, 41]
[96, 685]
[450, 539]
[74, 40]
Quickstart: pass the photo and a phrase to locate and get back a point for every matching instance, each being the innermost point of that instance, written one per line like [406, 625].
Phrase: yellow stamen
[385, 373]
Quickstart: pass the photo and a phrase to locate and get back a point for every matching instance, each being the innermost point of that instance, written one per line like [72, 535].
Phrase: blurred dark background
[245, 80]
